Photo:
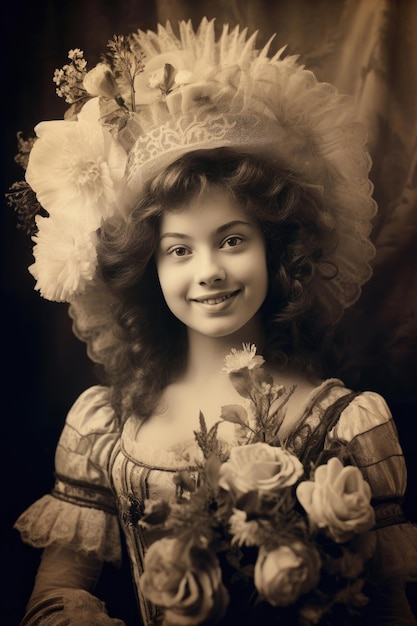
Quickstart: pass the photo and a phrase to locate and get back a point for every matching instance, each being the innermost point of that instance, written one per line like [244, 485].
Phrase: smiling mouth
[216, 299]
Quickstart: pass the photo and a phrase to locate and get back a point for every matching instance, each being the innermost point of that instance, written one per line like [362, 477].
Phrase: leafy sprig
[208, 441]
[267, 400]
[127, 62]
[22, 199]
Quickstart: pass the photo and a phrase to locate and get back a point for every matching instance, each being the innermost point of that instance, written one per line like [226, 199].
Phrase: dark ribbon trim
[84, 495]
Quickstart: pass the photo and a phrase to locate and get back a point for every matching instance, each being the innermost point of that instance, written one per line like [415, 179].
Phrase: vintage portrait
[210, 286]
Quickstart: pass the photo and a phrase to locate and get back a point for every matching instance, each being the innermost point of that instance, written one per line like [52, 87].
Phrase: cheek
[171, 281]
[258, 272]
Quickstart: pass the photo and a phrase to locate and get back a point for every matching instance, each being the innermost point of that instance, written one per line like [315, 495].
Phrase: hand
[70, 607]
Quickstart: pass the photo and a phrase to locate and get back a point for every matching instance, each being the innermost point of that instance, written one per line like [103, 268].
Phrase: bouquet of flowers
[259, 537]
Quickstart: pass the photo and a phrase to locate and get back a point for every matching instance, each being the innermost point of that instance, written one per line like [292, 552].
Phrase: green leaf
[169, 78]
[242, 382]
[184, 480]
[203, 425]
[234, 413]
[248, 502]
[158, 515]
[212, 470]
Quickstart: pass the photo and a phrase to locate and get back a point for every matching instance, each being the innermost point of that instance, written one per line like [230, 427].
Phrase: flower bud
[284, 574]
[100, 81]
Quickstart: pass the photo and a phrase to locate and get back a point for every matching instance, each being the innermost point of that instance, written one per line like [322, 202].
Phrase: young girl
[239, 220]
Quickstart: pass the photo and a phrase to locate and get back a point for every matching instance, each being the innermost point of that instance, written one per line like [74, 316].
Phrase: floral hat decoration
[156, 96]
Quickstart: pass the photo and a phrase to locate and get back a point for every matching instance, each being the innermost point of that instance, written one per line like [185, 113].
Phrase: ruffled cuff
[52, 521]
[72, 606]
[396, 553]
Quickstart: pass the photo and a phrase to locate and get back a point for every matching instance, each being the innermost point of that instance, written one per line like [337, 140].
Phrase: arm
[61, 595]
[367, 427]
[77, 524]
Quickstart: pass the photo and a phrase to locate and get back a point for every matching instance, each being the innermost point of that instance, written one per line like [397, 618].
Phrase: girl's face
[211, 264]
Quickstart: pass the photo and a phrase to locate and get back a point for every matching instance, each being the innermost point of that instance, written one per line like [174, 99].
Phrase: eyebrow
[218, 231]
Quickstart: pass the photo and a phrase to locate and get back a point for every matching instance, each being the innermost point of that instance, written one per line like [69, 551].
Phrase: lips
[216, 298]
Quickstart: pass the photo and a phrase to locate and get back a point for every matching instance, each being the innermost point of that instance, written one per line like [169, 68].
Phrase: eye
[179, 251]
[232, 242]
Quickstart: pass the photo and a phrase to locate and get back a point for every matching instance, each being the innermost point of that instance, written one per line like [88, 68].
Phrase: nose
[209, 269]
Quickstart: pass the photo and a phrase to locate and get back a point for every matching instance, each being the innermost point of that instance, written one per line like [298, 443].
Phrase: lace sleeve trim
[54, 521]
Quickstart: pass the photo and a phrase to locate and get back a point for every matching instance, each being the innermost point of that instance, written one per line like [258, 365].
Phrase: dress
[104, 475]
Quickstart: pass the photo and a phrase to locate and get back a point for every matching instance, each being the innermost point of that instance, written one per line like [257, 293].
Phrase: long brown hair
[152, 343]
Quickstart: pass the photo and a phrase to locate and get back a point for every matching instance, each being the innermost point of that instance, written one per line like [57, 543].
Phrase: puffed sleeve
[81, 510]
[367, 429]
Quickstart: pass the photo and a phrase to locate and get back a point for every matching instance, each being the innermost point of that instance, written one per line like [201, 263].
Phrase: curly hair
[152, 343]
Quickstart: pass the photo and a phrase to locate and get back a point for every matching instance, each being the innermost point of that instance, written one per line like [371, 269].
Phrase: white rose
[338, 500]
[259, 467]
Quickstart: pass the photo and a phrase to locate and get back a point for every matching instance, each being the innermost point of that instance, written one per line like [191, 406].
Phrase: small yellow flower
[244, 532]
[241, 359]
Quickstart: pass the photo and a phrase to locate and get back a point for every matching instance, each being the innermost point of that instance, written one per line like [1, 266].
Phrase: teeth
[216, 300]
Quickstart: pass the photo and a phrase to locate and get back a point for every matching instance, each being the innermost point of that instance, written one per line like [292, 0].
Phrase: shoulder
[89, 434]
[364, 412]
[81, 508]
[367, 429]
[92, 411]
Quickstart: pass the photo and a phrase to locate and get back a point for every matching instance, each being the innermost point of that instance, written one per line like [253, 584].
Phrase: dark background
[44, 367]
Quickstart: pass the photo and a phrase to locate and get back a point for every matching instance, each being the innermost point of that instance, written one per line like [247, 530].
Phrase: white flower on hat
[151, 83]
[75, 168]
[65, 258]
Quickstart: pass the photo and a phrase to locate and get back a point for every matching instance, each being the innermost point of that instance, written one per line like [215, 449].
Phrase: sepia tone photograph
[209, 282]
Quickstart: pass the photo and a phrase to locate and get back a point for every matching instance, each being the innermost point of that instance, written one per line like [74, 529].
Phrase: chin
[239, 332]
